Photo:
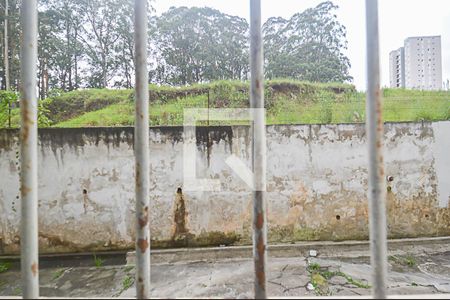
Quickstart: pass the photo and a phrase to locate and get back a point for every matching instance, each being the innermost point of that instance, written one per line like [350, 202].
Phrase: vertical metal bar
[259, 148]
[28, 151]
[6, 59]
[141, 149]
[374, 127]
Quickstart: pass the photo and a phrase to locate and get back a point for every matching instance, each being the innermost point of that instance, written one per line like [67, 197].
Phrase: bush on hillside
[6, 98]
[226, 94]
[74, 103]
[61, 106]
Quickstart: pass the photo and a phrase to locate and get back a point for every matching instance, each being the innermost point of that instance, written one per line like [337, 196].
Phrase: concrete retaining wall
[316, 190]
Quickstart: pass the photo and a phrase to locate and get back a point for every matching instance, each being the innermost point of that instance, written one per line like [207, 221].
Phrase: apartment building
[417, 65]
[397, 68]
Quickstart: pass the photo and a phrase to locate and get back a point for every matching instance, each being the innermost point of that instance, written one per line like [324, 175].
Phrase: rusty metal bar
[375, 130]
[259, 150]
[6, 59]
[28, 151]
[141, 150]
[6, 52]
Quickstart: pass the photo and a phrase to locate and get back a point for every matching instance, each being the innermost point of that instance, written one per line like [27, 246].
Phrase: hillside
[287, 102]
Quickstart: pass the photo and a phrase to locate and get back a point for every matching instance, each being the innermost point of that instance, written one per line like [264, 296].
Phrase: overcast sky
[399, 19]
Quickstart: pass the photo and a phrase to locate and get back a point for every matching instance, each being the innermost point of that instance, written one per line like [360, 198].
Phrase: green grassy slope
[287, 102]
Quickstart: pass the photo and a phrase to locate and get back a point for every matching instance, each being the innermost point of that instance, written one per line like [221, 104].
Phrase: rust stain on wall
[85, 200]
[55, 241]
[180, 215]
[420, 215]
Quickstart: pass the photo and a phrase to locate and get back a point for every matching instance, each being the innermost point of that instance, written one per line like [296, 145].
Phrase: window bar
[259, 150]
[375, 130]
[28, 152]
[141, 149]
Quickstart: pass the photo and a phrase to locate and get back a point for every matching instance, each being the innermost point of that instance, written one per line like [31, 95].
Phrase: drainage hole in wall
[179, 191]
[338, 217]
[84, 192]
[426, 216]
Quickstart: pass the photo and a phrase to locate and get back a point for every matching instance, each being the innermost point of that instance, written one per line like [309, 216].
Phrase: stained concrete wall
[317, 182]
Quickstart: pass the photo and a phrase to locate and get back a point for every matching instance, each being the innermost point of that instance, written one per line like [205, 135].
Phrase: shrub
[227, 94]
[71, 104]
[6, 98]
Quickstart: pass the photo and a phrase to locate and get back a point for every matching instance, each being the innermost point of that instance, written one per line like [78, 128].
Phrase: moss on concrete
[207, 239]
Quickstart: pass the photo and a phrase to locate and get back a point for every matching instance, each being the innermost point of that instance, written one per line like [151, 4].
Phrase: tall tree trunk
[70, 79]
[76, 58]
[63, 80]
[104, 70]
[41, 79]
[69, 54]
[127, 72]
[104, 78]
[45, 77]
[6, 58]
[14, 83]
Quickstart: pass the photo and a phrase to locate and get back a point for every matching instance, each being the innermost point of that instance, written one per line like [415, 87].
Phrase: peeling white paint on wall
[317, 183]
[441, 152]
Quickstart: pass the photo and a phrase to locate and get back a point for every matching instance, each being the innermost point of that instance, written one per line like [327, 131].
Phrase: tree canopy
[89, 43]
[199, 44]
[309, 46]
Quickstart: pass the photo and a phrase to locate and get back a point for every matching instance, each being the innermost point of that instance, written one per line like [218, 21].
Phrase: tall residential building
[417, 65]
[397, 68]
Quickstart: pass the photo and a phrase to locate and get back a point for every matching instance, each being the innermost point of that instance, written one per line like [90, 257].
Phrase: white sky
[399, 19]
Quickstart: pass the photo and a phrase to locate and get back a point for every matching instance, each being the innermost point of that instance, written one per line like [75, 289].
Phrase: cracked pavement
[233, 278]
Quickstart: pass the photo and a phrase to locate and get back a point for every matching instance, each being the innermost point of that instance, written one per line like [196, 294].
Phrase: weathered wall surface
[317, 183]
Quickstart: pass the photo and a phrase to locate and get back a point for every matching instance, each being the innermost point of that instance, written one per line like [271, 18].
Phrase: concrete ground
[420, 269]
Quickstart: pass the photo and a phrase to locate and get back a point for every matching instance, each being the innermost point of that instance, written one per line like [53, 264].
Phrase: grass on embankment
[398, 106]
[287, 102]
[64, 106]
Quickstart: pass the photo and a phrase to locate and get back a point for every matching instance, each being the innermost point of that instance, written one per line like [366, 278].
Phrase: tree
[59, 49]
[100, 33]
[90, 43]
[12, 42]
[81, 43]
[124, 48]
[308, 46]
[199, 44]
